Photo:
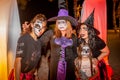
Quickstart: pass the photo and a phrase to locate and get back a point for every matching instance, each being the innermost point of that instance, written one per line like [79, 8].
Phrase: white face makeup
[37, 31]
[37, 27]
[85, 51]
[62, 24]
[38, 23]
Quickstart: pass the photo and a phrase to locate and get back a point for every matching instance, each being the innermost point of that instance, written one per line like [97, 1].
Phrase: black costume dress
[71, 54]
[100, 44]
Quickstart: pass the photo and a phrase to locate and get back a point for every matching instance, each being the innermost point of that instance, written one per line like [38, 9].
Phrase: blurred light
[22, 3]
[50, 0]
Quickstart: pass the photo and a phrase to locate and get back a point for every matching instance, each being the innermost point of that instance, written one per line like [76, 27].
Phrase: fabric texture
[30, 52]
[100, 44]
[26, 76]
[71, 54]
[61, 70]
[11, 75]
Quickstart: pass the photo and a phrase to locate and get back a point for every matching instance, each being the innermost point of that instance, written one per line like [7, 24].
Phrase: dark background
[50, 9]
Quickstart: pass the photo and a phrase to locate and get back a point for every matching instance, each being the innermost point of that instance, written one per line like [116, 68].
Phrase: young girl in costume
[85, 69]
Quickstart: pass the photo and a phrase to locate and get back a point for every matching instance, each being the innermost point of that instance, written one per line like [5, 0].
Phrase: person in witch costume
[87, 34]
[100, 22]
[63, 45]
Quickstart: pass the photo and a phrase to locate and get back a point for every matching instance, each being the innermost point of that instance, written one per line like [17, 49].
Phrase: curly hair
[40, 17]
[92, 34]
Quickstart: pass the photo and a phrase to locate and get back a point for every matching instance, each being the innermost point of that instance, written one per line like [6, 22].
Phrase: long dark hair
[92, 34]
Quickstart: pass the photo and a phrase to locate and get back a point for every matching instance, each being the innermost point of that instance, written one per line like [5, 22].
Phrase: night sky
[34, 7]
[50, 9]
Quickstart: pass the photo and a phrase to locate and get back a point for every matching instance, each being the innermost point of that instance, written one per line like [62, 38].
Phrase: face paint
[85, 50]
[37, 27]
[62, 25]
[38, 23]
[37, 31]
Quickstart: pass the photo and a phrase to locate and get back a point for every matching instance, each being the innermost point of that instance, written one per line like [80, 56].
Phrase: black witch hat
[63, 13]
[90, 22]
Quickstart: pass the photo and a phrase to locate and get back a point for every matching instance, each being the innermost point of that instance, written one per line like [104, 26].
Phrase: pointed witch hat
[90, 22]
[63, 14]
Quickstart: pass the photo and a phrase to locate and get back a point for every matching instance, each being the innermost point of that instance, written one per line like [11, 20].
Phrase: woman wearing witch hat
[63, 45]
[100, 22]
[89, 35]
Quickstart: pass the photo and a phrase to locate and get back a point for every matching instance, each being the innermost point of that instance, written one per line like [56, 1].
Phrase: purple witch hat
[63, 14]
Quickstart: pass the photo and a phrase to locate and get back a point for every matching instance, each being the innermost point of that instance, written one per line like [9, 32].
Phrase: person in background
[28, 50]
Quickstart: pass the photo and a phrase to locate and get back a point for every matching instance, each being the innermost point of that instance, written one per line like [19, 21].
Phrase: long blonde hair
[68, 30]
